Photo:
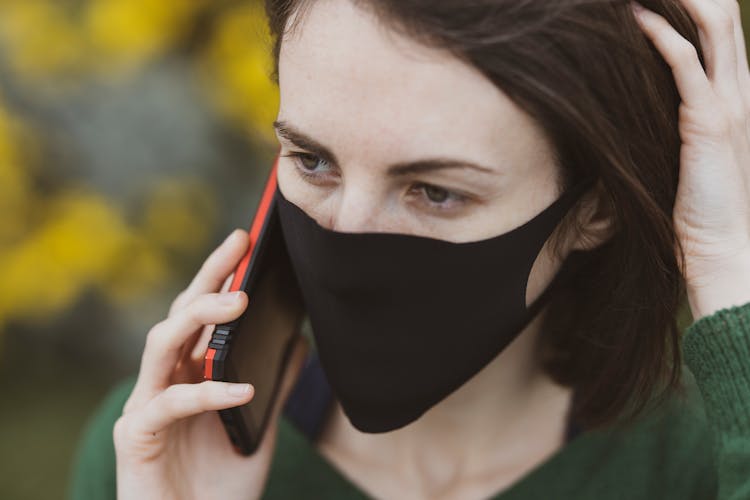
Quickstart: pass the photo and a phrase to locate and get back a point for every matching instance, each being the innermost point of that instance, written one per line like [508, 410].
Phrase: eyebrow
[301, 140]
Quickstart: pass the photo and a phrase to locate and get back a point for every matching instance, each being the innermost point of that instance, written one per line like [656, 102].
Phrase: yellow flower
[15, 186]
[180, 216]
[85, 243]
[236, 67]
[73, 249]
[131, 31]
[40, 38]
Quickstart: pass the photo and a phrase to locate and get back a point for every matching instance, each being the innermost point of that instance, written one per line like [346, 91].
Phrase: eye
[309, 162]
[309, 165]
[436, 197]
[436, 194]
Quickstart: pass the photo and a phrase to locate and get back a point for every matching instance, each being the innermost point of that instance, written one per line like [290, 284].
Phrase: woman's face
[380, 133]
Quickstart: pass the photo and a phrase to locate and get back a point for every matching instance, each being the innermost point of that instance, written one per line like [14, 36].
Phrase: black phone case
[244, 438]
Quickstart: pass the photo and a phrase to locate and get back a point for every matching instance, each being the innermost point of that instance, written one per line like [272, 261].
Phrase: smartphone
[255, 347]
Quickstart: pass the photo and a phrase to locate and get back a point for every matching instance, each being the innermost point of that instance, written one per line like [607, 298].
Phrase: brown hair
[608, 102]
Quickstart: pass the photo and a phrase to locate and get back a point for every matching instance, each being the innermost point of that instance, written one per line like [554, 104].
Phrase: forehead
[352, 83]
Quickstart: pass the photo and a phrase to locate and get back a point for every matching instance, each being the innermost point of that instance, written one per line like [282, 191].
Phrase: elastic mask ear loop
[572, 263]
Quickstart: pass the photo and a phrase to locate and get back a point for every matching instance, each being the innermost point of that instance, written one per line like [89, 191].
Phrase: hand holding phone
[255, 347]
[169, 428]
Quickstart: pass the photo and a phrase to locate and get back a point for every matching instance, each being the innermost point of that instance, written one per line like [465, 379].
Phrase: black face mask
[401, 321]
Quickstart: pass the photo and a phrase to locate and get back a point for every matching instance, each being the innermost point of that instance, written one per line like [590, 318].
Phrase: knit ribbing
[717, 350]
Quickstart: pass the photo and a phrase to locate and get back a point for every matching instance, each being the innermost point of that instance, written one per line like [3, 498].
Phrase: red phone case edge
[242, 267]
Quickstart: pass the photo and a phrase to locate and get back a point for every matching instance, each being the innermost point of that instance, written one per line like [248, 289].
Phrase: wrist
[719, 286]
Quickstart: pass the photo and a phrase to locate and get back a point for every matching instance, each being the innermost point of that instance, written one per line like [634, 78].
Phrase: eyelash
[419, 186]
[296, 157]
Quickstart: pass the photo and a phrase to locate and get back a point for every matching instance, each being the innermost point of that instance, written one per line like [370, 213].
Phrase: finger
[214, 269]
[732, 7]
[198, 350]
[184, 372]
[165, 339]
[190, 365]
[743, 73]
[681, 56]
[716, 31]
[184, 400]
[297, 359]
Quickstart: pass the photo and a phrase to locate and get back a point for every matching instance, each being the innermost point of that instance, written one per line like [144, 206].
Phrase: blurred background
[134, 135]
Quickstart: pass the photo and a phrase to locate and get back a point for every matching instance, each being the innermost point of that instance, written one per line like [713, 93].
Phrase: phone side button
[225, 332]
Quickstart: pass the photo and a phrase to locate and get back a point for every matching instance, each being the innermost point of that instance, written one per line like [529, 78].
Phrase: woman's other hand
[712, 209]
[170, 442]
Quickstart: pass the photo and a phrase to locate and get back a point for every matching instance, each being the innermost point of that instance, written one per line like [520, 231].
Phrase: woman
[460, 122]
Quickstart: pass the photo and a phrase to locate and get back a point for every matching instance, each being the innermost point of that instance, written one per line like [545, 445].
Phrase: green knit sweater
[697, 446]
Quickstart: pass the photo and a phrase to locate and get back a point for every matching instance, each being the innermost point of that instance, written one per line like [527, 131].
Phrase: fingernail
[638, 8]
[229, 298]
[231, 236]
[238, 390]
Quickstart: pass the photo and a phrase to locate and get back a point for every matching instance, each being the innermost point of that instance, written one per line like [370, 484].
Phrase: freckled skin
[374, 98]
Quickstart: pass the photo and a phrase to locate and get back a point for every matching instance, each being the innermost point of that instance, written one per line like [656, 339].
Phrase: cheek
[297, 190]
[286, 182]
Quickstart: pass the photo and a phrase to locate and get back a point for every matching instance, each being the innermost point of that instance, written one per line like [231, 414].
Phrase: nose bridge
[356, 212]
